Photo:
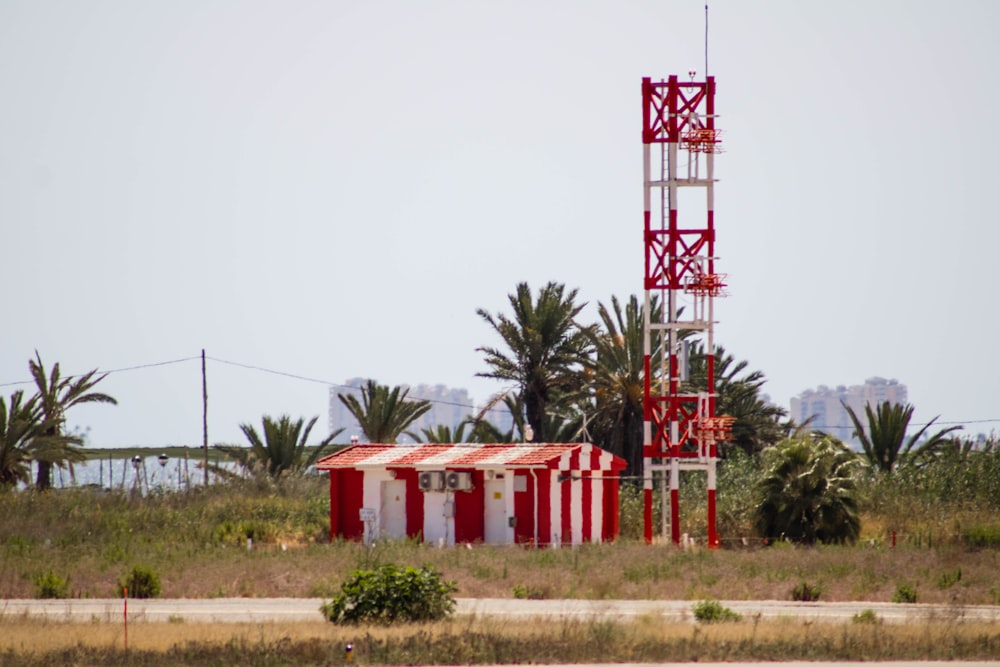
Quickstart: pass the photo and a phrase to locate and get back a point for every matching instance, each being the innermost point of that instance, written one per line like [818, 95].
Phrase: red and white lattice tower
[680, 429]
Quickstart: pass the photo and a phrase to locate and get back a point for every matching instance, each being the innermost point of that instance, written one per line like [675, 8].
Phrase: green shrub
[522, 592]
[141, 582]
[949, 578]
[983, 536]
[50, 586]
[390, 594]
[712, 611]
[905, 594]
[866, 617]
[805, 592]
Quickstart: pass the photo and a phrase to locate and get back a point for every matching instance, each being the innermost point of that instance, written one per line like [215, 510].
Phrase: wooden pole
[204, 413]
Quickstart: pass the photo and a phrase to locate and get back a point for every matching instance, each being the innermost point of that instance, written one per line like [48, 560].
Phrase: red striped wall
[470, 522]
[524, 503]
[350, 494]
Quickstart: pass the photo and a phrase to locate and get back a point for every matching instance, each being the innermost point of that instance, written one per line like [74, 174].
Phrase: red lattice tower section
[680, 428]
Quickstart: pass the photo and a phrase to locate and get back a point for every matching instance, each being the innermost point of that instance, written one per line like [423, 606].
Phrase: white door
[495, 513]
[394, 509]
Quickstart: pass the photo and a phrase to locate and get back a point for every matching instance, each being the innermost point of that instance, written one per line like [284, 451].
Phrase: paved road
[307, 609]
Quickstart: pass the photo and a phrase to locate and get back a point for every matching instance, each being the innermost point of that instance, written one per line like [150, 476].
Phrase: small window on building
[520, 482]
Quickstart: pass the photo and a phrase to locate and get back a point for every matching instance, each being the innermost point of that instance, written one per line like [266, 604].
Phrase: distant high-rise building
[823, 405]
[449, 407]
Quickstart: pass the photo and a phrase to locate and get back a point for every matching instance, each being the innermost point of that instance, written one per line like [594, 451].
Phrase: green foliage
[949, 578]
[141, 582]
[383, 412]
[522, 592]
[547, 351]
[808, 492]
[806, 592]
[442, 433]
[50, 586]
[865, 617]
[713, 611]
[905, 594]
[758, 421]
[391, 594]
[283, 450]
[884, 441]
[617, 372]
[982, 535]
[19, 424]
[56, 395]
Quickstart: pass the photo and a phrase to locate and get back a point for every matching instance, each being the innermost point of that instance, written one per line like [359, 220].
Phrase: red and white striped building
[543, 494]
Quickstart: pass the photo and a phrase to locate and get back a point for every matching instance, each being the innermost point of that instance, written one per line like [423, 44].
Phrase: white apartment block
[823, 404]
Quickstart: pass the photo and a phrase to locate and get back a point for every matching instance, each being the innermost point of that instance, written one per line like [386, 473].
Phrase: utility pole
[204, 413]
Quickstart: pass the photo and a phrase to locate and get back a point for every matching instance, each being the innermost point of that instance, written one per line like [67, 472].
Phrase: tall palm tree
[283, 449]
[383, 412]
[885, 443]
[738, 395]
[547, 350]
[56, 395]
[808, 492]
[616, 376]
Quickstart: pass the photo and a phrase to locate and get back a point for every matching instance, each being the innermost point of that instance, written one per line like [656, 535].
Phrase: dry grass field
[484, 641]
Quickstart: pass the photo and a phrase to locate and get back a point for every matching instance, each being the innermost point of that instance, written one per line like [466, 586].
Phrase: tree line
[569, 381]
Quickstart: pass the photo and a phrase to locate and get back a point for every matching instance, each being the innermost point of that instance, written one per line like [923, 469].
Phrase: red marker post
[125, 603]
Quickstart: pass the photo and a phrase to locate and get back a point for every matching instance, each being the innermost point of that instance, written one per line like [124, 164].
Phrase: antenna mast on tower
[680, 427]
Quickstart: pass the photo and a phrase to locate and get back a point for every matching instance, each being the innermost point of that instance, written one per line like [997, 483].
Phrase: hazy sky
[330, 189]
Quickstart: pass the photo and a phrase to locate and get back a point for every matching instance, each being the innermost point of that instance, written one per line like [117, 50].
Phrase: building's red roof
[560, 456]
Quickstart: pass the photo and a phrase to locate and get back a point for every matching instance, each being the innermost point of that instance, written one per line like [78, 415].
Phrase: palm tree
[283, 450]
[616, 376]
[808, 492]
[547, 350]
[18, 425]
[444, 434]
[56, 395]
[485, 431]
[383, 412]
[758, 422]
[885, 443]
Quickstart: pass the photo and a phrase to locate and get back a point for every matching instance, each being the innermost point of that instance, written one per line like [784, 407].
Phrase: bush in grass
[805, 592]
[522, 592]
[391, 594]
[50, 586]
[905, 594]
[983, 536]
[866, 617]
[949, 578]
[142, 582]
[712, 611]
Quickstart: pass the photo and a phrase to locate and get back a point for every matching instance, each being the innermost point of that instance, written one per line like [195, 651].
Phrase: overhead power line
[109, 372]
[330, 383]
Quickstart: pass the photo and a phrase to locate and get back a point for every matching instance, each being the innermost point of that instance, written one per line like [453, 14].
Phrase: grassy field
[196, 542]
[486, 641]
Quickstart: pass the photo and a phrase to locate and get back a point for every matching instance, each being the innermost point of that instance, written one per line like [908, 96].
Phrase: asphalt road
[236, 610]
